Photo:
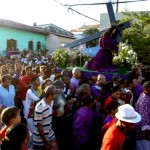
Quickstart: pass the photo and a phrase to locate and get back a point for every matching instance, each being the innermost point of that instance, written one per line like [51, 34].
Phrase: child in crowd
[9, 117]
[111, 110]
[46, 83]
[115, 96]
[16, 138]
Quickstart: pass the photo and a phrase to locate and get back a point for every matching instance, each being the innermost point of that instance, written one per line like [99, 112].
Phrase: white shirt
[30, 97]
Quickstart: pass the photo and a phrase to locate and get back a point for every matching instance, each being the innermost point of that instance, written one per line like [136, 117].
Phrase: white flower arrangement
[69, 57]
[126, 56]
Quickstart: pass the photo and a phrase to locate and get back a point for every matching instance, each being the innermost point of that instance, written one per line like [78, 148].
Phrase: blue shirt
[7, 96]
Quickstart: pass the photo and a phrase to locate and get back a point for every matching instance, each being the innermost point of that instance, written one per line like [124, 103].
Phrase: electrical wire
[103, 3]
[83, 14]
[83, 4]
[69, 8]
[59, 3]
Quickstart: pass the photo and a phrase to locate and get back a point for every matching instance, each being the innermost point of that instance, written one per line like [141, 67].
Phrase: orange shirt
[113, 139]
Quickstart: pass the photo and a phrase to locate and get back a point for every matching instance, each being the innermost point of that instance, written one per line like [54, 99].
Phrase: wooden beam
[84, 40]
[111, 13]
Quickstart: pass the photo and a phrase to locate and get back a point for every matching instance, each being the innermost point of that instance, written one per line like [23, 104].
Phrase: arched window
[30, 45]
[38, 45]
[11, 44]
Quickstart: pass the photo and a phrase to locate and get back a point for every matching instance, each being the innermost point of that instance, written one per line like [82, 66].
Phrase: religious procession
[54, 95]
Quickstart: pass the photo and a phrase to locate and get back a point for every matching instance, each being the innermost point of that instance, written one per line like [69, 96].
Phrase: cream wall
[105, 22]
[54, 41]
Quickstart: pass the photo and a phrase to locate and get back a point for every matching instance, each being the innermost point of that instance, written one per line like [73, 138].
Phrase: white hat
[127, 113]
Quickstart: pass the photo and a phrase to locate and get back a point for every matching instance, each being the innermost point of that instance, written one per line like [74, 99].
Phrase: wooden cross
[112, 18]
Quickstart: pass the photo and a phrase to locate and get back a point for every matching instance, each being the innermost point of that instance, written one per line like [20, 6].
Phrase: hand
[47, 146]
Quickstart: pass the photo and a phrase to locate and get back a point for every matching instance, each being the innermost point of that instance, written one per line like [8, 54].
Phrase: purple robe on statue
[103, 59]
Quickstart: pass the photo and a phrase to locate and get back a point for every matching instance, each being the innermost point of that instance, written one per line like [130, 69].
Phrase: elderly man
[115, 136]
[74, 82]
[96, 88]
[143, 127]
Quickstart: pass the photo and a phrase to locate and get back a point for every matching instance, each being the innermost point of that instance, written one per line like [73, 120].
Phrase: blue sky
[49, 11]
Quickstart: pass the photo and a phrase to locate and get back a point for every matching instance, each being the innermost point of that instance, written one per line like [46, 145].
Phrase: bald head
[76, 72]
[101, 79]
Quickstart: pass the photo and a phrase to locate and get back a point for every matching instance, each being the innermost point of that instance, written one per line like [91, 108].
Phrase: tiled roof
[20, 26]
[90, 26]
[85, 27]
[57, 30]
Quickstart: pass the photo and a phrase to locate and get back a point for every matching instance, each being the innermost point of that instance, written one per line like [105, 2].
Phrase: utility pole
[117, 4]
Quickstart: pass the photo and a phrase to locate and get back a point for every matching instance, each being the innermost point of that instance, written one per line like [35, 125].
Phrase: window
[38, 45]
[11, 44]
[30, 45]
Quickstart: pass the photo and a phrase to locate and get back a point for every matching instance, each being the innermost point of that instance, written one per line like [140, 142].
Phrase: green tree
[88, 32]
[138, 35]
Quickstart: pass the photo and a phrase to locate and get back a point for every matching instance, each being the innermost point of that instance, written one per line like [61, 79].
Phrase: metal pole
[117, 3]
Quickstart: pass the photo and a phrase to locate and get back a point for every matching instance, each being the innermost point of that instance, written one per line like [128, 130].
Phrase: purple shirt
[82, 124]
[74, 83]
[137, 91]
[95, 89]
[143, 108]
[107, 119]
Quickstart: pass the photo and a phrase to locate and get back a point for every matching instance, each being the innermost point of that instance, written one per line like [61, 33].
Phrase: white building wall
[105, 22]
[53, 41]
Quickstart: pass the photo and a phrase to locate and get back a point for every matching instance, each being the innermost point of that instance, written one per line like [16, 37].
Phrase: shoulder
[11, 86]
[23, 78]
[113, 133]
[81, 111]
[39, 106]
[29, 91]
[96, 86]
[72, 79]
[143, 100]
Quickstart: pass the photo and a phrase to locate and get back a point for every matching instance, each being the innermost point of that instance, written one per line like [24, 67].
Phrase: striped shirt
[43, 115]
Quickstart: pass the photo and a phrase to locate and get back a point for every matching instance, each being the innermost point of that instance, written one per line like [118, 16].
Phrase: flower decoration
[126, 57]
[70, 57]
[61, 57]
[79, 57]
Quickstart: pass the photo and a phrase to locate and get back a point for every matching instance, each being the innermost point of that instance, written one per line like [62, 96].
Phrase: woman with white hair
[82, 93]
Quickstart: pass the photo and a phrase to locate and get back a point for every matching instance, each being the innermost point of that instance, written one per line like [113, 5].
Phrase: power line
[104, 3]
[69, 8]
[82, 14]
[59, 3]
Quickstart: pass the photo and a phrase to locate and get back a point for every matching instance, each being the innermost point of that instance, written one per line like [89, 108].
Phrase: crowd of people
[44, 109]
